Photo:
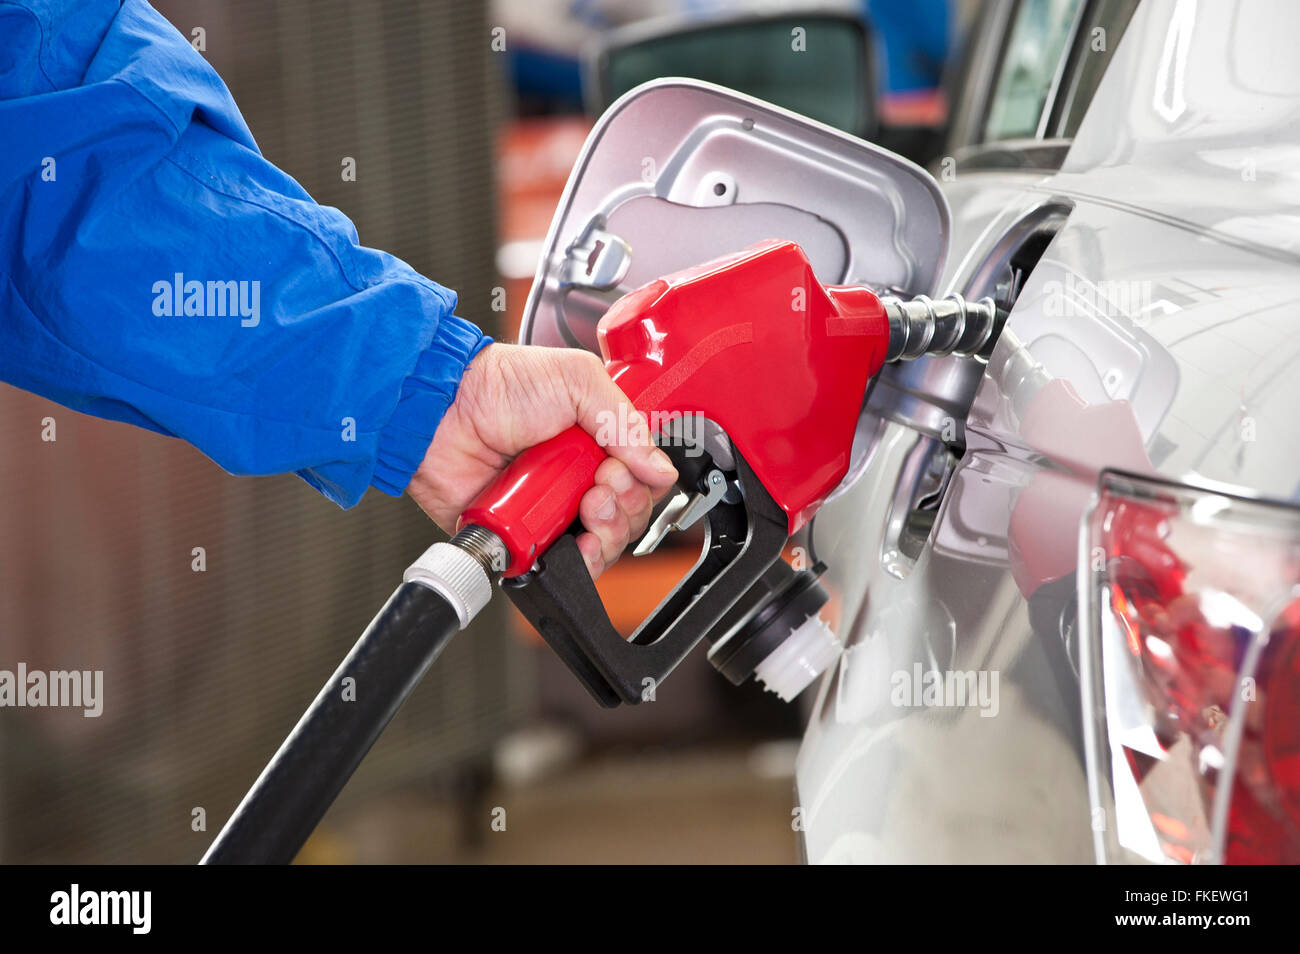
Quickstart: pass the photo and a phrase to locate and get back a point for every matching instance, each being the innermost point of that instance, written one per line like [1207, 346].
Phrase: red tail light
[1190, 604]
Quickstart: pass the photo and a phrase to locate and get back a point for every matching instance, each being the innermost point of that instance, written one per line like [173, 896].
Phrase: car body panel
[1166, 303]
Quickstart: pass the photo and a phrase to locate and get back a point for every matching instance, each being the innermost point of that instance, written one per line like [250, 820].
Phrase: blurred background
[464, 120]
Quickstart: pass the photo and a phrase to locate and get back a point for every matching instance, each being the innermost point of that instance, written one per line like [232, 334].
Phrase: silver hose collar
[455, 574]
[950, 325]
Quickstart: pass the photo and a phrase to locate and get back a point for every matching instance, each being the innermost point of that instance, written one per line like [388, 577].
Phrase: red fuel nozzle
[755, 344]
[752, 342]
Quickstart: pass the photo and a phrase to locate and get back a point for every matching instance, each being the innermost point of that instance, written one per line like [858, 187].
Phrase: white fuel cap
[808, 651]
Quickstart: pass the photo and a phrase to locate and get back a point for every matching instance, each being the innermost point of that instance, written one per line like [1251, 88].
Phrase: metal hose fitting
[485, 547]
[462, 571]
[951, 325]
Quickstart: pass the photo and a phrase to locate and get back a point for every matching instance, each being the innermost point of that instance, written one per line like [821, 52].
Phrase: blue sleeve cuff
[426, 394]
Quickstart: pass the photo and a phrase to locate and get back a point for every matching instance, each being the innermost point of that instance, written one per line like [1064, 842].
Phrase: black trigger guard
[559, 598]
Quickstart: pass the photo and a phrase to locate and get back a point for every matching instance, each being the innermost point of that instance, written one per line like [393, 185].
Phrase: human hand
[514, 396]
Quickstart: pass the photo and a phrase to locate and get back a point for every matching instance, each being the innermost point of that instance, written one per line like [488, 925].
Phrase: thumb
[604, 412]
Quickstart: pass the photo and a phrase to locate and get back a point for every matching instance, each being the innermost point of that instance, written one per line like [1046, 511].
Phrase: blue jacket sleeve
[156, 269]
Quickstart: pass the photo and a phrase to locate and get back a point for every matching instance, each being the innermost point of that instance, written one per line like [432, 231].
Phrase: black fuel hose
[313, 764]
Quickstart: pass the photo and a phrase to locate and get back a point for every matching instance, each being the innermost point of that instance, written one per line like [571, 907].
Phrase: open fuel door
[678, 172]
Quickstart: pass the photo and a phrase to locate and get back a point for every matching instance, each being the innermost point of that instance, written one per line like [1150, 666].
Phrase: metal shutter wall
[204, 673]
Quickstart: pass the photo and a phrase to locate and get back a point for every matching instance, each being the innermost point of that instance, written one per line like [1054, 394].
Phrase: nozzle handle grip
[535, 499]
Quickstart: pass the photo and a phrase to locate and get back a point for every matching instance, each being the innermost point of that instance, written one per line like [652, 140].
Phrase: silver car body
[1171, 284]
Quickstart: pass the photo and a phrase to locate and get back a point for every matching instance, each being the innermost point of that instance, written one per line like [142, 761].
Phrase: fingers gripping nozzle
[950, 325]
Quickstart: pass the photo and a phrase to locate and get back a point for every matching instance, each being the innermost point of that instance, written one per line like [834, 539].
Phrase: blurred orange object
[534, 159]
[920, 107]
